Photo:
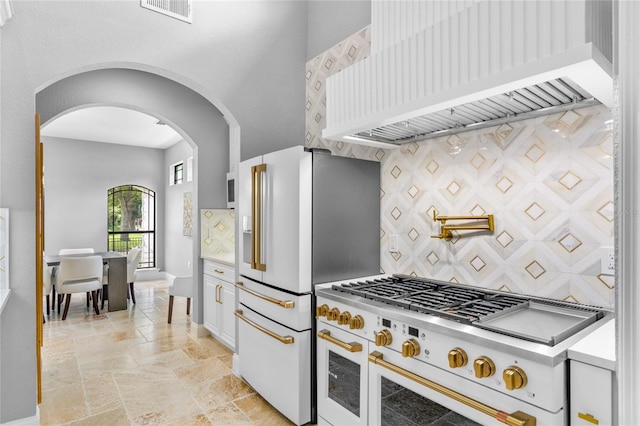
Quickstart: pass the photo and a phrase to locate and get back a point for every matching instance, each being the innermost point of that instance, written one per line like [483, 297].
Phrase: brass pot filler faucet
[446, 230]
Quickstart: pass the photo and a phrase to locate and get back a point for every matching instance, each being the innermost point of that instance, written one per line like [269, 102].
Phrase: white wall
[178, 247]
[78, 175]
[342, 17]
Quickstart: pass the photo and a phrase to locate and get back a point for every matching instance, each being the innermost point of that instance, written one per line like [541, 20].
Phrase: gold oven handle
[287, 304]
[517, 418]
[351, 347]
[287, 340]
[256, 217]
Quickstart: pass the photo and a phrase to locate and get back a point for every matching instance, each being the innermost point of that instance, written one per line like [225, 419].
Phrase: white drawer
[276, 362]
[224, 272]
[288, 309]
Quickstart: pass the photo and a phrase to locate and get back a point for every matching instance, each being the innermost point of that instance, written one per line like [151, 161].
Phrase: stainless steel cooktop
[539, 320]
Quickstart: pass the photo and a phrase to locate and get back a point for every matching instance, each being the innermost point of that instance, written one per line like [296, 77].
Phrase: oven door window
[342, 377]
[344, 382]
[401, 406]
[405, 391]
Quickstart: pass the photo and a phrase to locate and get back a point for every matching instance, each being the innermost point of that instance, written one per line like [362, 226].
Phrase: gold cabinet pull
[517, 418]
[589, 418]
[287, 304]
[220, 271]
[350, 347]
[218, 287]
[287, 340]
[256, 217]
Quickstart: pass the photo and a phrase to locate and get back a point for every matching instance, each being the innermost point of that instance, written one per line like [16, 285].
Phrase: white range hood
[442, 67]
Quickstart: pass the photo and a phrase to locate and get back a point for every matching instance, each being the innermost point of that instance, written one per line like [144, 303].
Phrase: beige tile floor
[132, 368]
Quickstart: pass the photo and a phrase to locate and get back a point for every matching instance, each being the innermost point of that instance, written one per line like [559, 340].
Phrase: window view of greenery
[131, 222]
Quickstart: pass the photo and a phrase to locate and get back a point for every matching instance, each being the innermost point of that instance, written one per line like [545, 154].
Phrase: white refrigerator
[307, 217]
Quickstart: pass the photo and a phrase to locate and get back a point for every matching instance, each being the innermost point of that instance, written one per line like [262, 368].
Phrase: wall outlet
[607, 261]
[393, 243]
[188, 265]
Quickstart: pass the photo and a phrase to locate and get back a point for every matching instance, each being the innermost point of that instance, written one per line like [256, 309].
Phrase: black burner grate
[462, 304]
[477, 309]
[385, 288]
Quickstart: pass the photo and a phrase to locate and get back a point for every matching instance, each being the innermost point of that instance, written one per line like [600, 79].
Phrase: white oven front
[342, 377]
[407, 391]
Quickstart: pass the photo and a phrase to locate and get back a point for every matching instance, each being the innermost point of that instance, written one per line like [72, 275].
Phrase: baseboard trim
[150, 274]
[236, 365]
[199, 331]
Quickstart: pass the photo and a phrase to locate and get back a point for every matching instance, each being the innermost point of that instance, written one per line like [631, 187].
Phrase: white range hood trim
[585, 65]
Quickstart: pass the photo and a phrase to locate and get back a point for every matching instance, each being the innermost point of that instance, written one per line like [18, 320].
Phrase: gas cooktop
[540, 320]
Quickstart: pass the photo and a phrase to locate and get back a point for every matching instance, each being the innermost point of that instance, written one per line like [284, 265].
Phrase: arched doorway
[207, 126]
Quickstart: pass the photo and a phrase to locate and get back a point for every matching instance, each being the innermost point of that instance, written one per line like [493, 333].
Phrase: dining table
[117, 277]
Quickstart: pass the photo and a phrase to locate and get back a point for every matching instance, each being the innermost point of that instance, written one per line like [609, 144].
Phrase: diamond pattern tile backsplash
[548, 182]
[217, 233]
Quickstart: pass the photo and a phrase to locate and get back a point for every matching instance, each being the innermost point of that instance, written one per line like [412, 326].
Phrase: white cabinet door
[211, 307]
[591, 395]
[227, 316]
[220, 302]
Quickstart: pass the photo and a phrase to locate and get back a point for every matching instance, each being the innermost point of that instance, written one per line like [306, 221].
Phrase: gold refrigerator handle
[287, 304]
[350, 347]
[256, 217]
[287, 340]
[517, 418]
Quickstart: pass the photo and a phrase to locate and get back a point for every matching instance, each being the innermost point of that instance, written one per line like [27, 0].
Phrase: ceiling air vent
[179, 9]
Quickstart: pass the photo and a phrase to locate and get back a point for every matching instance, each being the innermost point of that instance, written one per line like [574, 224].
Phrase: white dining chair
[70, 251]
[183, 287]
[79, 275]
[133, 259]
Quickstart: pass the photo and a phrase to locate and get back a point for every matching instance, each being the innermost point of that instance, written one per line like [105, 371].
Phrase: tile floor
[132, 368]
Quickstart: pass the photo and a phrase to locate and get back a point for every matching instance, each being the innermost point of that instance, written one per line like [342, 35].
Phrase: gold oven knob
[356, 323]
[333, 314]
[457, 358]
[410, 348]
[484, 367]
[383, 338]
[514, 377]
[343, 318]
[322, 310]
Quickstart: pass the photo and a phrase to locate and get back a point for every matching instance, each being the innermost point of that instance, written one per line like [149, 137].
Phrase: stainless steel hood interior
[545, 98]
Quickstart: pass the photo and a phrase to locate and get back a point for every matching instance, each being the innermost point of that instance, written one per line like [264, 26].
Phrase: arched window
[132, 222]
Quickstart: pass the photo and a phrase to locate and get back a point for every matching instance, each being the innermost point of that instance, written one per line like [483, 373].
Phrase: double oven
[402, 350]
